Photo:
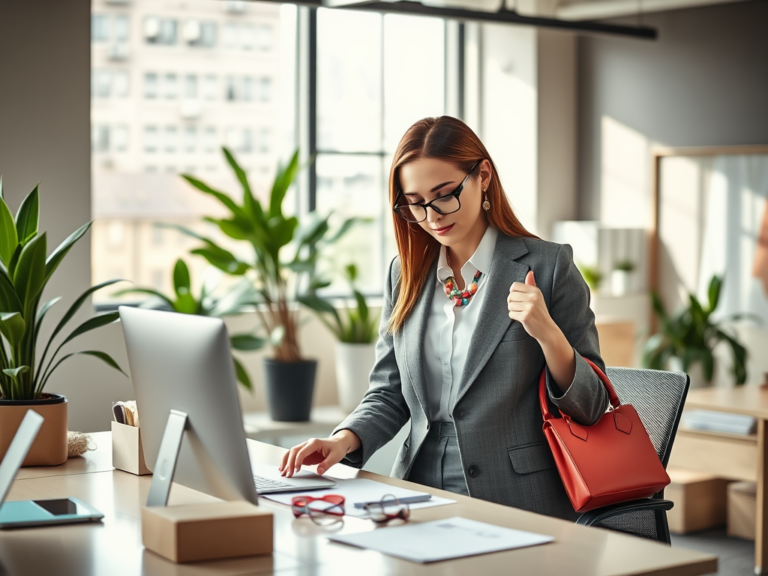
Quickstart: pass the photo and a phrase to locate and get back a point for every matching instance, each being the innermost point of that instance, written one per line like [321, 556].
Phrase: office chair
[659, 398]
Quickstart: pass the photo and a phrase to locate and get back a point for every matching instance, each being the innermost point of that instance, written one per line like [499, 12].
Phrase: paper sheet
[442, 539]
[362, 490]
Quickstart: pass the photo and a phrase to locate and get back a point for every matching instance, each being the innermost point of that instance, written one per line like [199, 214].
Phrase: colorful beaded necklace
[459, 297]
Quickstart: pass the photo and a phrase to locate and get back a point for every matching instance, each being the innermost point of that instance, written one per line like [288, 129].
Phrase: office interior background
[105, 104]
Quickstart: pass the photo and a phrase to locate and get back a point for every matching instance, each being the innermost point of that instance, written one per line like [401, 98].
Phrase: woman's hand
[325, 452]
[526, 305]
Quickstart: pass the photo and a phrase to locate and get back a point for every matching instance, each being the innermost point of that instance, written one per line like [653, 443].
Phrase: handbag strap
[543, 396]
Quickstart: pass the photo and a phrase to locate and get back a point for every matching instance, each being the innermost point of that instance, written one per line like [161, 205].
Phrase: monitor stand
[165, 467]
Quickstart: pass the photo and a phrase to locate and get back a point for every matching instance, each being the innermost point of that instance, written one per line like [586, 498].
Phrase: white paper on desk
[442, 539]
[362, 490]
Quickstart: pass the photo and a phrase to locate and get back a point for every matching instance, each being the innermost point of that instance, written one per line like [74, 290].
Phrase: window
[120, 84]
[247, 93]
[150, 139]
[170, 86]
[160, 31]
[150, 85]
[230, 92]
[99, 28]
[210, 87]
[99, 138]
[190, 139]
[247, 36]
[209, 139]
[263, 37]
[171, 137]
[190, 87]
[247, 142]
[229, 37]
[101, 83]
[265, 143]
[120, 28]
[200, 33]
[265, 89]
[120, 138]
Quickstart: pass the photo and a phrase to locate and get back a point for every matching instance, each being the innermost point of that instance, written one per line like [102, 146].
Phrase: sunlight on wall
[625, 167]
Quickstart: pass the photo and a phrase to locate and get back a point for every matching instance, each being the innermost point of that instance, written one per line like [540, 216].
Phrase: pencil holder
[127, 452]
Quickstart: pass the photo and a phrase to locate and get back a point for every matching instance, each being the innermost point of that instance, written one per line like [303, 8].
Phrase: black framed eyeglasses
[447, 204]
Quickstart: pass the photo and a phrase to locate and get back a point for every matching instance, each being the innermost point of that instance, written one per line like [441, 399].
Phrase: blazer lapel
[413, 333]
[493, 320]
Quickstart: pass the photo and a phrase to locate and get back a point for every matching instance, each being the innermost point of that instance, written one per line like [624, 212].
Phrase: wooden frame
[658, 155]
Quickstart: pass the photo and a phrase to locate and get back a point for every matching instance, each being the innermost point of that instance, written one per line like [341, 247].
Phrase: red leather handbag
[609, 462]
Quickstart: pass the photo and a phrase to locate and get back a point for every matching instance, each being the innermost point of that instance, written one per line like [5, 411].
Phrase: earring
[486, 204]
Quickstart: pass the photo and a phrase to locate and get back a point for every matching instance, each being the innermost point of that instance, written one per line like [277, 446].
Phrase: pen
[406, 500]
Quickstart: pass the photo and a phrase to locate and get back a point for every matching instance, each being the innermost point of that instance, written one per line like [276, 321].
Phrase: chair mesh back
[658, 397]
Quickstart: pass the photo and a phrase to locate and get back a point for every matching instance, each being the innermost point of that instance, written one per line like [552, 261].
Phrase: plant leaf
[61, 251]
[242, 375]
[247, 342]
[44, 310]
[28, 217]
[29, 276]
[220, 196]
[14, 372]
[92, 324]
[346, 225]
[283, 180]
[713, 292]
[181, 279]
[222, 259]
[8, 237]
[12, 326]
[148, 291]
[9, 300]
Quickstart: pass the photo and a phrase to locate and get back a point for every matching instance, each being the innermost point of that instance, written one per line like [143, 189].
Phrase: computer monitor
[183, 362]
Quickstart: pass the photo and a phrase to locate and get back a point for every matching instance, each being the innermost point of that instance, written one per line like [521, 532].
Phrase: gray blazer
[497, 415]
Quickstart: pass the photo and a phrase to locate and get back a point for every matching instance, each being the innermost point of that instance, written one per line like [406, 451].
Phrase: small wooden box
[127, 452]
[207, 531]
[700, 501]
[742, 508]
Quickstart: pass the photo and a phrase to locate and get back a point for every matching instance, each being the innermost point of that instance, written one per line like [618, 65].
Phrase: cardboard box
[700, 500]
[127, 452]
[207, 531]
[742, 510]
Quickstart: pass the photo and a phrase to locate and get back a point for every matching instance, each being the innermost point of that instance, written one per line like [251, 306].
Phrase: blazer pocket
[531, 458]
[516, 332]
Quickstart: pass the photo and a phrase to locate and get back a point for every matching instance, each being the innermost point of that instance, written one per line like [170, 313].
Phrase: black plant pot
[290, 386]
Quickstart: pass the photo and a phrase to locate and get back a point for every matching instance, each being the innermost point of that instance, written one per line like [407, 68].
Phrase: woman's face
[426, 179]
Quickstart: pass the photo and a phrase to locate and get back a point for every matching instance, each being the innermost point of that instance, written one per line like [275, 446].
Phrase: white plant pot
[619, 282]
[354, 363]
[695, 373]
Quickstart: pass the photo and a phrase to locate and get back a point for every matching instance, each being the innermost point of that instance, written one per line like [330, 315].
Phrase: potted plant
[592, 275]
[620, 276]
[279, 281]
[355, 332]
[237, 300]
[25, 269]
[687, 339]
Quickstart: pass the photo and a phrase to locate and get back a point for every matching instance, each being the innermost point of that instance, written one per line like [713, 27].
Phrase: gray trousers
[438, 463]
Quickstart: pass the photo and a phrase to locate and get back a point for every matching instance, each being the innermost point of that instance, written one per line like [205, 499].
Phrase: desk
[729, 455]
[114, 547]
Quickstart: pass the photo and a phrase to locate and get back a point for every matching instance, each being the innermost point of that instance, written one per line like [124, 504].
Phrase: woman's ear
[486, 171]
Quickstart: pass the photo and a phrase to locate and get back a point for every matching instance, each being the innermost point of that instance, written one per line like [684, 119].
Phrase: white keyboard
[270, 484]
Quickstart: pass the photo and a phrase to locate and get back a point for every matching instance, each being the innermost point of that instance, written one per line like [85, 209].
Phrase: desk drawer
[727, 456]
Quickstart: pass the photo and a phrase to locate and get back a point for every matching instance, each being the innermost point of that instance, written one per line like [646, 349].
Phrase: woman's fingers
[289, 467]
[310, 447]
[333, 457]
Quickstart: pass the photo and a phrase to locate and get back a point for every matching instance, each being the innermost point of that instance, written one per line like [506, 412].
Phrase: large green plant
[356, 325]
[691, 336]
[25, 269]
[279, 280]
[237, 300]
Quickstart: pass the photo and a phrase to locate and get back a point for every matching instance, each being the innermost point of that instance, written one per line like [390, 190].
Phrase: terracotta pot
[50, 446]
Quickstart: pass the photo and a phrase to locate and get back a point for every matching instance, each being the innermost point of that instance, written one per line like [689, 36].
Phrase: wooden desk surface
[751, 400]
[114, 547]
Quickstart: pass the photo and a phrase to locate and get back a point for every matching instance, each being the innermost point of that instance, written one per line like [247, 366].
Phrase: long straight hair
[448, 139]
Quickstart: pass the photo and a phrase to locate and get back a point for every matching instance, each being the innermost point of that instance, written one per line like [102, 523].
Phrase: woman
[465, 368]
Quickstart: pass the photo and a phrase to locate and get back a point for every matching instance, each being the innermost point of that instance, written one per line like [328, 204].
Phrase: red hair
[449, 139]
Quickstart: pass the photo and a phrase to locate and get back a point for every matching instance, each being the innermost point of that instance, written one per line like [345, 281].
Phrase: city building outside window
[150, 85]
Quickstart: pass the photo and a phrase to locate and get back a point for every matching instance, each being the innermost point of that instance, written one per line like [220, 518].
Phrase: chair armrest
[599, 514]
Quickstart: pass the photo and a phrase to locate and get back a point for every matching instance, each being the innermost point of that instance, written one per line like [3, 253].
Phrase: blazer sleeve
[586, 399]
[383, 410]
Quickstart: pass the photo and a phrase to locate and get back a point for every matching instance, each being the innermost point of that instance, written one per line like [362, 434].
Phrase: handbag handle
[543, 397]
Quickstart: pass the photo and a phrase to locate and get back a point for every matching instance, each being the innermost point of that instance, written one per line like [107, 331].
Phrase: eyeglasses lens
[388, 509]
[417, 213]
[325, 513]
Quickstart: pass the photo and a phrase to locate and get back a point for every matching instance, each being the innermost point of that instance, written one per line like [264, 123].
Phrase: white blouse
[450, 329]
